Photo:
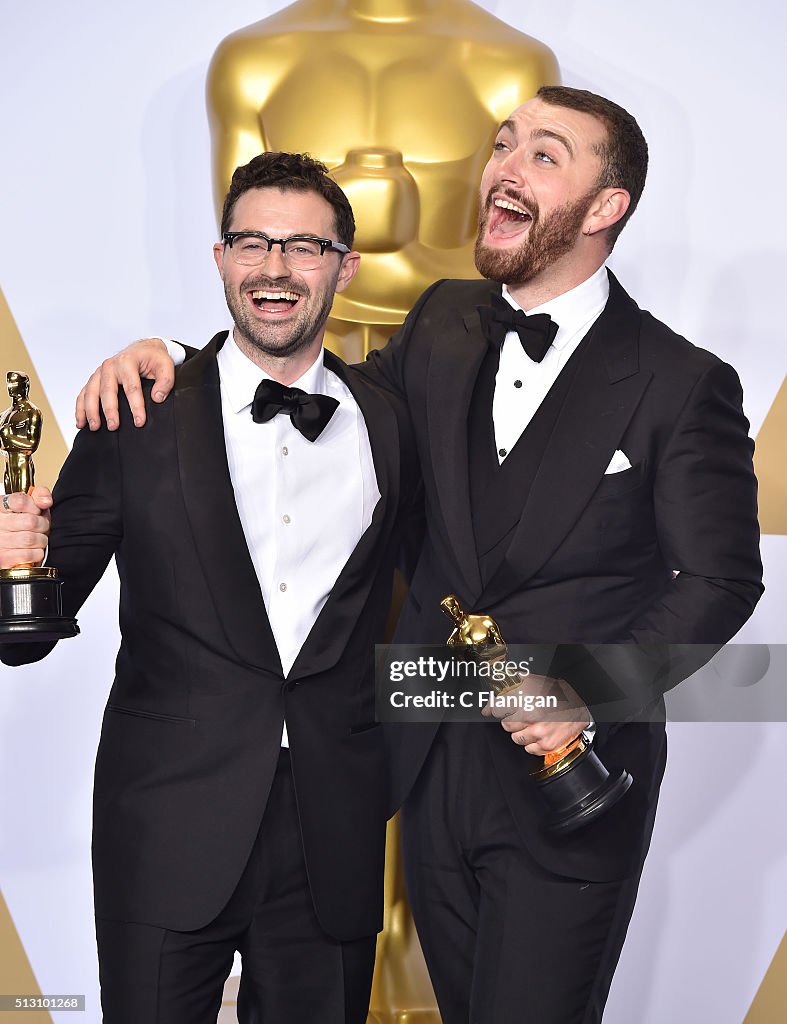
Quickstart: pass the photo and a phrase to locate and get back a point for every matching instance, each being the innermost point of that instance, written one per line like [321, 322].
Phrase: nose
[274, 264]
[509, 169]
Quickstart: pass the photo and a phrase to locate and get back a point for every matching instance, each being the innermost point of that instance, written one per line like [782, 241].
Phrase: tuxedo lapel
[457, 354]
[328, 637]
[603, 396]
[212, 513]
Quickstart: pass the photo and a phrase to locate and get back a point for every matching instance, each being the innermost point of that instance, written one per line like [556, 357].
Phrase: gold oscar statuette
[30, 599]
[575, 786]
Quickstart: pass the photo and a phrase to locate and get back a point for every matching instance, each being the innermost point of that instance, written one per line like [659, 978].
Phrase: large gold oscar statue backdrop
[402, 100]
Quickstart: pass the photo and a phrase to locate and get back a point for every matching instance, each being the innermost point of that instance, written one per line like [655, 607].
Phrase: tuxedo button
[282, 587]
[517, 383]
[286, 519]
[502, 453]
[285, 450]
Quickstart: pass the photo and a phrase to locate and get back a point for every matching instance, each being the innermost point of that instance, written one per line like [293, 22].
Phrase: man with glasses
[239, 792]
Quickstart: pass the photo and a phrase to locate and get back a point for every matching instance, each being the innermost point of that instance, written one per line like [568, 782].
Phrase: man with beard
[588, 478]
[240, 791]
[575, 459]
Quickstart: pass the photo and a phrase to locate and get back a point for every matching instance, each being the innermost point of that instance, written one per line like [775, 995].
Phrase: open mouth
[506, 217]
[273, 300]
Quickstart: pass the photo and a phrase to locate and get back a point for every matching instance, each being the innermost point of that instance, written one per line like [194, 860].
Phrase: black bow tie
[536, 332]
[308, 413]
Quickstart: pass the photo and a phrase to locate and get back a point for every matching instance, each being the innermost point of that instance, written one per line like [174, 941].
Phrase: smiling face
[280, 313]
[540, 194]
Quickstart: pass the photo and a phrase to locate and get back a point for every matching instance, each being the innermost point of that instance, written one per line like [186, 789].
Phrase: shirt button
[285, 519]
[517, 383]
[502, 452]
[285, 451]
[282, 587]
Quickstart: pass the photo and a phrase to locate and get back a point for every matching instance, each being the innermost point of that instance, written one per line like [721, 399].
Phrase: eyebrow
[545, 133]
[538, 133]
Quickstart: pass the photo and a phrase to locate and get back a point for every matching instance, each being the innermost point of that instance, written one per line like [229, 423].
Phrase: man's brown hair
[291, 172]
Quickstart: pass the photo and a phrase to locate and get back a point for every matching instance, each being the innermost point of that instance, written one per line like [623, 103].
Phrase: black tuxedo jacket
[192, 729]
[591, 559]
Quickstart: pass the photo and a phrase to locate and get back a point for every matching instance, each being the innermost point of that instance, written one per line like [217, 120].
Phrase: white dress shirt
[521, 384]
[303, 505]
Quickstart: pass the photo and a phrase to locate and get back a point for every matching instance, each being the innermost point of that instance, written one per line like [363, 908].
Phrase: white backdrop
[106, 141]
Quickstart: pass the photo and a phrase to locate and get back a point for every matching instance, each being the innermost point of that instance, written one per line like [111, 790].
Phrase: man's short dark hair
[624, 155]
[291, 172]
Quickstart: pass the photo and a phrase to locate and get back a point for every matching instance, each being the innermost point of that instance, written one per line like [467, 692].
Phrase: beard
[285, 337]
[548, 239]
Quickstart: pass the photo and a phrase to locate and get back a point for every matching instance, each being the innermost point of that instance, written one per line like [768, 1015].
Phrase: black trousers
[505, 941]
[292, 972]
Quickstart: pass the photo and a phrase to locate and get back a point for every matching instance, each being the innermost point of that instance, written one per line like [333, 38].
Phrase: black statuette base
[31, 610]
[582, 792]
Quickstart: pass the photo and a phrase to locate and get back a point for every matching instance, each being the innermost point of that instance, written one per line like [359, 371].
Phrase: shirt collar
[573, 308]
[240, 377]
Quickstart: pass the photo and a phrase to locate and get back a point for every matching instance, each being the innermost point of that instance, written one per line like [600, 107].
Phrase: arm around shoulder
[151, 358]
[387, 366]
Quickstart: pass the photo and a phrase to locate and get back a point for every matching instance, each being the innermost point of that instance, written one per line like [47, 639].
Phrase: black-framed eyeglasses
[304, 252]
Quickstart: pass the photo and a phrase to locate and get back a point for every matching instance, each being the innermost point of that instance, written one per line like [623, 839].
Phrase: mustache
[263, 283]
[522, 198]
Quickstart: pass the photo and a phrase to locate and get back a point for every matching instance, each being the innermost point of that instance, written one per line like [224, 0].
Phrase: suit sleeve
[386, 367]
[86, 528]
[705, 504]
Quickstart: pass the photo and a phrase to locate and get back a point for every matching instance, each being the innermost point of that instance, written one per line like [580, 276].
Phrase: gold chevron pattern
[771, 999]
[16, 974]
[770, 458]
[14, 356]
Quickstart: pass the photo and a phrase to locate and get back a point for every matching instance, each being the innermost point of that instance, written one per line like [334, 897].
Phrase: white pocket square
[617, 463]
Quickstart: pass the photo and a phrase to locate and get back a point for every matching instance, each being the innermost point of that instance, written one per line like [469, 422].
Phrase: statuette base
[580, 792]
[31, 608]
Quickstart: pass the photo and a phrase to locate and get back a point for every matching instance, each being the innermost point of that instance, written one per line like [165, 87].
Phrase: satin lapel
[212, 513]
[339, 616]
[603, 397]
[457, 355]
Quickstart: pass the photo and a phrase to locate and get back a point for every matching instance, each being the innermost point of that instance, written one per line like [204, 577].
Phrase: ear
[218, 256]
[347, 271]
[606, 209]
